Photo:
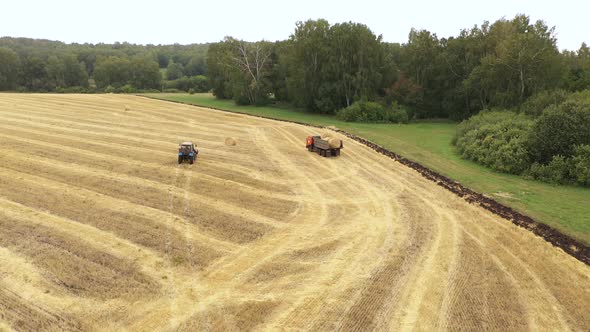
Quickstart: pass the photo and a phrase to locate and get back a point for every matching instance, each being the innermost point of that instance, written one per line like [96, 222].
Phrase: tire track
[136, 143]
[145, 184]
[96, 157]
[114, 204]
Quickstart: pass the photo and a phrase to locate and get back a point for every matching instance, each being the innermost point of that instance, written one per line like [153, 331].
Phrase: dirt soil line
[568, 244]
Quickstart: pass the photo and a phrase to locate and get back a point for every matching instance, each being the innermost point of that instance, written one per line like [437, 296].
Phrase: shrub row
[496, 139]
[127, 88]
[367, 111]
[192, 84]
[562, 170]
[552, 146]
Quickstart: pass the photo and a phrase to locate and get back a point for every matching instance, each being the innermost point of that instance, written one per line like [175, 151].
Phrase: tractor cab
[187, 151]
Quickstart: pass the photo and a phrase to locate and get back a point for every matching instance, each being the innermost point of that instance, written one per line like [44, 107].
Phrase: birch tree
[252, 61]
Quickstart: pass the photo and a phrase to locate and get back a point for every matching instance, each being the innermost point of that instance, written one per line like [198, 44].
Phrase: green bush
[581, 165]
[581, 96]
[147, 91]
[76, 89]
[536, 104]
[72, 89]
[128, 88]
[171, 90]
[182, 84]
[198, 83]
[241, 100]
[559, 129]
[350, 113]
[367, 111]
[110, 89]
[396, 115]
[362, 112]
[191, 91]
[487, 117]
[497, 139]
[262, 100]
[557, 171]
[554, 147]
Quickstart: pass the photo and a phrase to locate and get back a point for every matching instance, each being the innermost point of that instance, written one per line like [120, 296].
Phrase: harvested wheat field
[101, 229]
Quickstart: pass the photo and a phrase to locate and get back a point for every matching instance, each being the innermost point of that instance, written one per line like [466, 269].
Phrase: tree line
[52, 66]
[321, 67]
[324, 68]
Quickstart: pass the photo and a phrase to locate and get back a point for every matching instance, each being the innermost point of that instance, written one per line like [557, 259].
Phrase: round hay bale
[334, 142]
[230, 141]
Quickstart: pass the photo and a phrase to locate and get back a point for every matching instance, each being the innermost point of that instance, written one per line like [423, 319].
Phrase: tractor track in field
[101, 229]
[565, 242]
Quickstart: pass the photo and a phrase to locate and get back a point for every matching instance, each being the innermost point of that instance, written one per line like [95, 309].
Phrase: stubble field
[101, 229]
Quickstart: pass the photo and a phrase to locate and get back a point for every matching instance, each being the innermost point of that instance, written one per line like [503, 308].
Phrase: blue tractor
[187, 151]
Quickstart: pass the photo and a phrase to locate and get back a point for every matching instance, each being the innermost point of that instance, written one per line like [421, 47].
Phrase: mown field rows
[429, 143]
[100, 229]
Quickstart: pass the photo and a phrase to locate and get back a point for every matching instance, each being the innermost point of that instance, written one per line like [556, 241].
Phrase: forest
[34, 65]
[324, 68]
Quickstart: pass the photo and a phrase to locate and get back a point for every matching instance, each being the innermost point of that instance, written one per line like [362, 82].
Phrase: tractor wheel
[310, 148]
[191, 160]
[180, 160]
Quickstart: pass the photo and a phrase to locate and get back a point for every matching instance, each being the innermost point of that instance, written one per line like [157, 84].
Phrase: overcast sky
[186, 22]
